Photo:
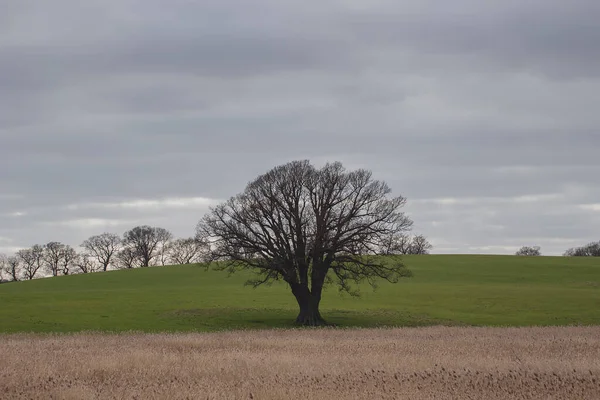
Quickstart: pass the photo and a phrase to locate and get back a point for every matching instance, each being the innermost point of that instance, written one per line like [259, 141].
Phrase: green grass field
[449, 290]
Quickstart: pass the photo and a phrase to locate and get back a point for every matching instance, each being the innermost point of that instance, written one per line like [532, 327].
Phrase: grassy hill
[446, 289]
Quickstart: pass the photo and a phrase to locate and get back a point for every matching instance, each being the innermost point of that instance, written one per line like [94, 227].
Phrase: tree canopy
[309, 226]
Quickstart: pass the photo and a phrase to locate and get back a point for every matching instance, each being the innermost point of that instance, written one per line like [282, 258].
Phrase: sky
[483, 114]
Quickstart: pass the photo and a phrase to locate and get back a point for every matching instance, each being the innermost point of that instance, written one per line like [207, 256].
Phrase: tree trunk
[308, 303]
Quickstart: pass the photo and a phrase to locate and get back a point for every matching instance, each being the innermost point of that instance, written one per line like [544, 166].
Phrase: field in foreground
[446, 290]
[401, 363]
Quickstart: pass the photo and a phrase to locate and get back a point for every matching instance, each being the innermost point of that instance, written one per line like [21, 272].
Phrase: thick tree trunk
[308, 303]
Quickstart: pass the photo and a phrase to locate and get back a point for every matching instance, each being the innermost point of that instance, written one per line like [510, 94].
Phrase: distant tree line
[142, 246]
[589, 250]
[403, 243]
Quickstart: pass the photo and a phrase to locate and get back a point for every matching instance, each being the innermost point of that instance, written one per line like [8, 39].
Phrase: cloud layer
[483, 114]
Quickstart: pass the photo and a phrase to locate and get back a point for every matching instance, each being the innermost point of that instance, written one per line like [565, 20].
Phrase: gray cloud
[482, 113]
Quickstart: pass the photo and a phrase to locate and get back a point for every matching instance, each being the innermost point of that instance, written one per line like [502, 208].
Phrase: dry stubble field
[410, 363]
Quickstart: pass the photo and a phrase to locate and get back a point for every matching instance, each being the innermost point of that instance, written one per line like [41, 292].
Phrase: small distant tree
[12, 268]
[103, 248]
[68, 259]
[396, 244]
[163, 250]
[58, 258]
[186, 251]
[402, 243]
[86, 263]
[126, 258]
[529, 251]
[3, 260]
[145, 242]
[32, 260]
[53, 253]
[420, 245]
[589, 250]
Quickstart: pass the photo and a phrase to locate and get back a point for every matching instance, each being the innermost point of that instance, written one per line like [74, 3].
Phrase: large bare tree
[32, 260]
[145, 241]
[103, 248]
[309, 226]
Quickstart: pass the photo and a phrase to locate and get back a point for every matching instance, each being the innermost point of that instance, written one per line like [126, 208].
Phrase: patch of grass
[445, 289]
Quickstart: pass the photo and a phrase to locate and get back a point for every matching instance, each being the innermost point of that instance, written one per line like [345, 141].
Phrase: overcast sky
[484, 114]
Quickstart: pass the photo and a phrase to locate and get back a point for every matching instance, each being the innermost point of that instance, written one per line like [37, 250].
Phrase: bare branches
[589, 250]
[186, 251]
[529, 251]
[12, 267]
[32, 260]
[402, 243]
[127, 258]
[420, 245]
[3, 263]
[145, 242]
[103, 248]
[86, 263]
[297, 222]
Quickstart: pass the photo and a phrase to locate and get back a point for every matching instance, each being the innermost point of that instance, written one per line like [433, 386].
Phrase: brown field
[407, 363]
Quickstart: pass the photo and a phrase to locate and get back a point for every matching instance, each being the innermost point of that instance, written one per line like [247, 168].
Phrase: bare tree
[86, 263]
[103, 248]
[58, 258]
[3, 263]
[405, 244]
[299, 223]
[529, 251]
[53, 253]
[127, 258]
[589, 250]
[163, 250]
[12, 267]
[68, 259]
[396, 244]
[32, 260]
[145, 241]
[186, 251]
[419, 245]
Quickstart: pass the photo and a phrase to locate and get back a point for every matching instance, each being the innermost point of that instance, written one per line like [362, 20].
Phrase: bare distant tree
[419, 245]
[187, 251]
[3, 260]
[32, 260]
[53, 253]
[12, 267]
[127, 258]
[589, 250]
[397, 244]
[145, 241]
[69, 257]
[529, 251]
[103, 248]
[86, 263]
[308, 226]
[163, 250]
[405, 244]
